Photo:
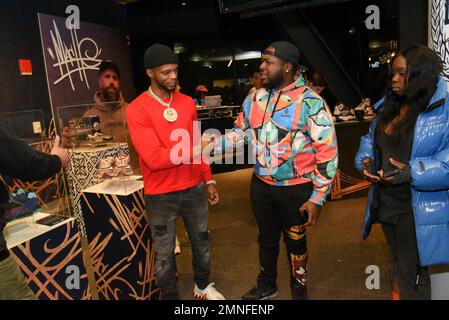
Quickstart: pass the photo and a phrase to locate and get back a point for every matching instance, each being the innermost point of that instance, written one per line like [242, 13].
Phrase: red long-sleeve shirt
[161, 145]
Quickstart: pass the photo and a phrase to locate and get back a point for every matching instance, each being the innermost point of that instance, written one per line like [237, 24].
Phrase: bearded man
[293, 136]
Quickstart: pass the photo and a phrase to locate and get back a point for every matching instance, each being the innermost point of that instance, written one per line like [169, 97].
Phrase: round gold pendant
[170, 115]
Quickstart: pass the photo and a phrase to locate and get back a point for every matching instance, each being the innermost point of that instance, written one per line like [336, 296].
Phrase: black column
[413, 22]
[296, 26]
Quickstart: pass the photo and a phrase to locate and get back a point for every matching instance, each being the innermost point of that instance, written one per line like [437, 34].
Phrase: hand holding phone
[391, 173]
[305, 214]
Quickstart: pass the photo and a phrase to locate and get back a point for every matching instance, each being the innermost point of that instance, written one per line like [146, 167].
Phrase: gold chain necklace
[170, 114]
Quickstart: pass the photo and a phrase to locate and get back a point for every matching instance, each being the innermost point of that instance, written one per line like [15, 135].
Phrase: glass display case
[91, 129]
[100, 154]
[30, 198]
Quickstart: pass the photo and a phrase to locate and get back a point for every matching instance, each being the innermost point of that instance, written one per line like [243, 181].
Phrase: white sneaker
[210, 293]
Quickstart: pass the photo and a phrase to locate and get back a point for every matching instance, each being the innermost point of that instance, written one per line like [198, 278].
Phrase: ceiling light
[178, 48]
[248, 55]
[196, 58]
[207, 65]
[374, 44]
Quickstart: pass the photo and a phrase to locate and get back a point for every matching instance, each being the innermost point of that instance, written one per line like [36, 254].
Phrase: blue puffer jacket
[429, 167]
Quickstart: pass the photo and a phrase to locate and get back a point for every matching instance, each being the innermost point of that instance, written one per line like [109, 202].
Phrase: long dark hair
[423, 69]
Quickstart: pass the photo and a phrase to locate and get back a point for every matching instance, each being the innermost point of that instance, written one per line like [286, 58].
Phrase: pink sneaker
[122, 160]
[105, 168]
[122, 166]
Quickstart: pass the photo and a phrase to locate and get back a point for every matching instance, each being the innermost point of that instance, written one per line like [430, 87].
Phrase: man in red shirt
[163, 129]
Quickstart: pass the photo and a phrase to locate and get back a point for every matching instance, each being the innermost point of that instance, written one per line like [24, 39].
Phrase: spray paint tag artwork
[440, 32]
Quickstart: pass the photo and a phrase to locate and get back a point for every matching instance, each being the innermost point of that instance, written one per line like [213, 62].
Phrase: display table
[49, 256]
[119, 240]
[82, 173]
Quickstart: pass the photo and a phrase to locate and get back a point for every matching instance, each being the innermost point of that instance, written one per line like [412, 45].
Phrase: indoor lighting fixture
[246, 55]
[207, 65]
[178, 48]
[196, 58]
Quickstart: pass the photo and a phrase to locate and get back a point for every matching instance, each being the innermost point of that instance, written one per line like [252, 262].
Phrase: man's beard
[111, 95]
[275, 82]
[162, 86]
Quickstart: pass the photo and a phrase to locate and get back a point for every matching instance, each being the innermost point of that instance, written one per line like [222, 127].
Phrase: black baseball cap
[109, 65]
[286, 51]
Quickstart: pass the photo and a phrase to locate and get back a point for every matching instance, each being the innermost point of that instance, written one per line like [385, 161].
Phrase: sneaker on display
[343, 113]
[339, 109]
[106, 169]
[98, 139]
[122, 167]
[122, 160]
[209, 293]
[365, 105]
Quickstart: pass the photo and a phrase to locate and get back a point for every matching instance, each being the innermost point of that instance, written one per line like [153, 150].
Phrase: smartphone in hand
[391, 173]
[305, 214]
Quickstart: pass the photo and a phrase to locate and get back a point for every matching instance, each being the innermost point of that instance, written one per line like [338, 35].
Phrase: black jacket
[18, 160]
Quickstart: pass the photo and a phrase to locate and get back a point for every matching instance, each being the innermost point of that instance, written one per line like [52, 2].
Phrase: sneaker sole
[271, 296]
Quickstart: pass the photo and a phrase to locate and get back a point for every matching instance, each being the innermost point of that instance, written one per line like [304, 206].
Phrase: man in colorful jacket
[292, 134]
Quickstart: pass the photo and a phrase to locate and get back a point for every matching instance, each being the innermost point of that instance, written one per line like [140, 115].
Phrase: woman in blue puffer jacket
[406, 156]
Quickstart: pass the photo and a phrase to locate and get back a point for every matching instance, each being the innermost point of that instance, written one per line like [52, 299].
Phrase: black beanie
[158, 55]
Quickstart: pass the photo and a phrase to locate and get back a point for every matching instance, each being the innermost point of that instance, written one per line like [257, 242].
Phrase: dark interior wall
[413, 22]
[200, 27]
[20, 39]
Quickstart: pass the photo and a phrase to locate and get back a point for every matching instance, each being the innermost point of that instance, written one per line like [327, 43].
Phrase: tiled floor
[338, 256]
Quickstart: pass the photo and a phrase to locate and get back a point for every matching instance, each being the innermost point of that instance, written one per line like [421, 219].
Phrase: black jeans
[276, 210]
[414, 280]
[162, 212]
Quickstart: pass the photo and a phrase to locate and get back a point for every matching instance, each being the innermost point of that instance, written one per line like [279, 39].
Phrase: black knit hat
[158, 55]
[286, 51]
[109, 65]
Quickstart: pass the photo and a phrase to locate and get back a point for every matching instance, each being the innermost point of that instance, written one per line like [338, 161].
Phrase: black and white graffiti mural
[440, 32]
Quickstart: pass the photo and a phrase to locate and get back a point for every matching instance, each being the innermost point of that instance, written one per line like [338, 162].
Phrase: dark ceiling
[200, 27]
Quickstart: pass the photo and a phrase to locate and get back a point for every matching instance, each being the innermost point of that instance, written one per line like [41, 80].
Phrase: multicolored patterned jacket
[292, 136]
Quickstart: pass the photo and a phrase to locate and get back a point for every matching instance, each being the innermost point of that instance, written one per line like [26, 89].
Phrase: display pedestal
[82, 173]
[50, 257]
[119, 240]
